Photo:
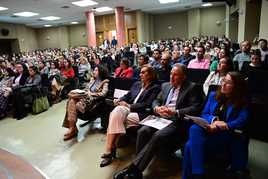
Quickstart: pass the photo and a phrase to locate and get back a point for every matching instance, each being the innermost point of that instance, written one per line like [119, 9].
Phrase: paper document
[197, 120]
[78, 91]
[155, 122]
[118, 93]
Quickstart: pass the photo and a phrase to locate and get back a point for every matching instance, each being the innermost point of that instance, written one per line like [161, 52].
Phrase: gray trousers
[151, 141]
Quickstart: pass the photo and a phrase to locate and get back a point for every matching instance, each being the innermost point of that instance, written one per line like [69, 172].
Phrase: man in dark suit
[177, 98]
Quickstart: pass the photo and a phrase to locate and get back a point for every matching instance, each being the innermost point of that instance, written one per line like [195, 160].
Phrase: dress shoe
[70, 135]
[109, 155]
[131, 172]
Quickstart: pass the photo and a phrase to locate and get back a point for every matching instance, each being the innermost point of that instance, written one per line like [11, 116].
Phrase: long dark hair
[103, 72]
[238, 96]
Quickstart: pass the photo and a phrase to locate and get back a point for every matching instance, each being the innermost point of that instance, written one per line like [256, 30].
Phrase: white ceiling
[75, 13]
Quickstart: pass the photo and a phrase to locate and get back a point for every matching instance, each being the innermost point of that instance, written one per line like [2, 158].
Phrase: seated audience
[124, 70]
[186, 57]
[96, 89]
[84, 70]
[130, 110]
[200, 62]
[223, 53]
[24, 92]
[142, 60]
[163, 72]
[5, 90]
[244, 56]
[226, 113]
[264, 51]
[215, 77]
[177, 98]
[155, 61]
[255, 63]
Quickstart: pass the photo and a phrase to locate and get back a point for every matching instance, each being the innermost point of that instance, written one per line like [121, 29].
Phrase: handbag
[40, 104]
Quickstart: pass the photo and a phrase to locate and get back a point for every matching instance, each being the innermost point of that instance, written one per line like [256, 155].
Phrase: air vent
[65, 7]
[13, 16]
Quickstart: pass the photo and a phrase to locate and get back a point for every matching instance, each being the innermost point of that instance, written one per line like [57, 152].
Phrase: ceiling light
[47, 25]
[207, 5]
[74, 22]
[3, 8]
[26, 14]
[167, 1]
[50, 18]
[84, 3]
[104, 9]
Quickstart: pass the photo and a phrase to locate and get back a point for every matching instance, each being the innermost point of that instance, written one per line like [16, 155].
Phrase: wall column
[120, 26]
[263, 21]
[91, 31]
[194, 27]
[227, 21]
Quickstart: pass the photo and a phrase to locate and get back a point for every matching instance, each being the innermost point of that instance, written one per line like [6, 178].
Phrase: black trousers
[151, 141]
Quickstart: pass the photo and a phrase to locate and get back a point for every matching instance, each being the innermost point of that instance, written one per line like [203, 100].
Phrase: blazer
[235, 118]
[101, 89]
[145, 100]
[189, 101]
[23, 79]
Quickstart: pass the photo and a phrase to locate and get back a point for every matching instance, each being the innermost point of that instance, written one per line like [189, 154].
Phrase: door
[132, 35]
[99, 38]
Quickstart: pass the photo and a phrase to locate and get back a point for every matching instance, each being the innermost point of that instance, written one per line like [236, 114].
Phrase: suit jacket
[145, 100]
[235, 118]
[189, 101]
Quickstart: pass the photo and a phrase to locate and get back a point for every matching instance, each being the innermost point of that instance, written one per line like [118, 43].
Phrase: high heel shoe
[70, 135]
[112, 154]
[108, 158]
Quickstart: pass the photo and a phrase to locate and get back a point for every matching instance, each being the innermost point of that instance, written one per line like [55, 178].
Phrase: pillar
[91, 31]
[120, 26]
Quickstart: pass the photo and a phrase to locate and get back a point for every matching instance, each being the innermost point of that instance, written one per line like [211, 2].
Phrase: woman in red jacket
[67, 71]
[124, 70]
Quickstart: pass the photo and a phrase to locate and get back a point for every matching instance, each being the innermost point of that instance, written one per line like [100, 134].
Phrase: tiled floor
[38, 139]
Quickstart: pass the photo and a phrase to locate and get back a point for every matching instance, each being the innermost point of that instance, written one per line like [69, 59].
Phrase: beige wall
[78, 35]
[264, 21]
[177, 21]
[53, 37]
[209, 17]
[26, 36]
[144, 26]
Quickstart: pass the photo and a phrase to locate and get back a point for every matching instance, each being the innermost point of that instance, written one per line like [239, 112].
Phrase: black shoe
[132, 172]
[110, 155]
[106, 161]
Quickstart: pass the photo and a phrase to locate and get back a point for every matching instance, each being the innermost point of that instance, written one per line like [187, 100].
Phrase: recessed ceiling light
[50, 18]
[167, 1]
[84, 3]
[74, 22]
[47, 25]
[3, 8]
[104, 9]
[26, 14]
[207, 5]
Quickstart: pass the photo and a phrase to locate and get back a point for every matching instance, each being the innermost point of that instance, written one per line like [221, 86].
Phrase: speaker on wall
[4, 32]
[229, 2]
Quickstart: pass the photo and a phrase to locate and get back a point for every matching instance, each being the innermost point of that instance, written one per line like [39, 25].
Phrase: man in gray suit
[177, 98]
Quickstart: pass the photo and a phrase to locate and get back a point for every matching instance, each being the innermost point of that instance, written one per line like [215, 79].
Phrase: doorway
[9, 46]
[132, 35]
[100, 38]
